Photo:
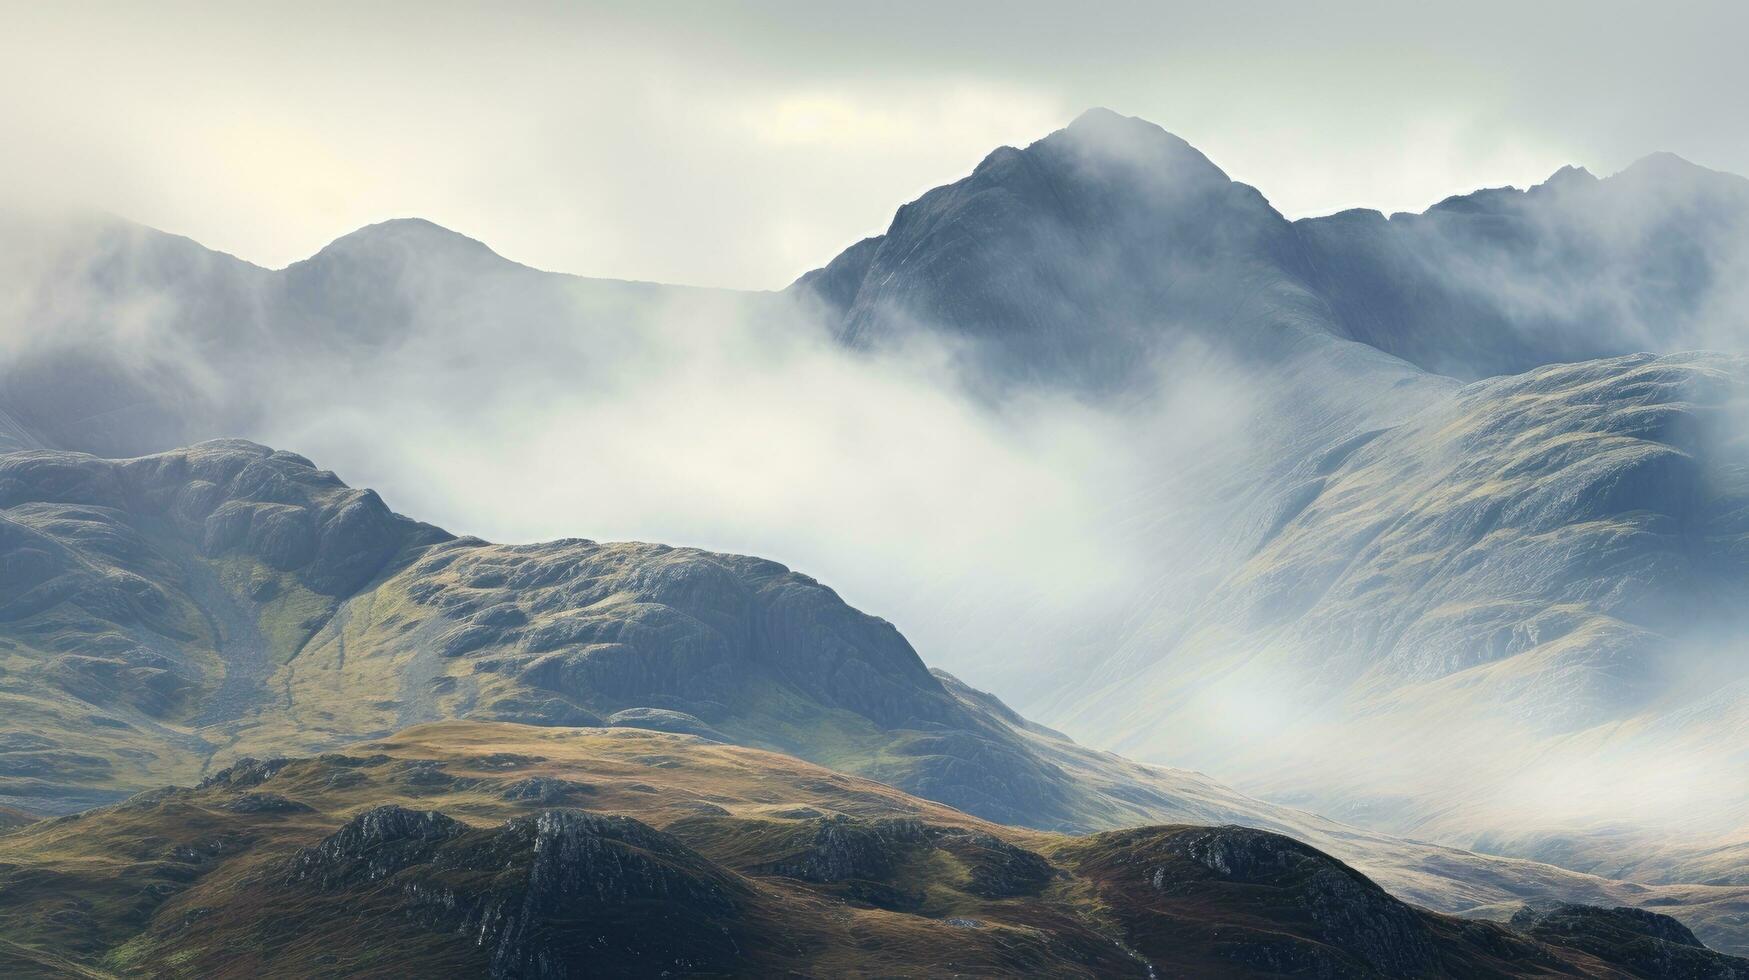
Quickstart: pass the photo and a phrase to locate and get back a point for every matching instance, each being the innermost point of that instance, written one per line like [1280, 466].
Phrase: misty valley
[1097, 573]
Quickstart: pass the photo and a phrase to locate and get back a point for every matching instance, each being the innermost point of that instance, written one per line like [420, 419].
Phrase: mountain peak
[1109, 136]
[1569, 176]
[1668, 168]
[1101, 117]
[404, 239]
[1663, 163]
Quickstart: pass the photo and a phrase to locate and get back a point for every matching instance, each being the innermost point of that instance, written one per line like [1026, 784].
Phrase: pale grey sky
[739, 144]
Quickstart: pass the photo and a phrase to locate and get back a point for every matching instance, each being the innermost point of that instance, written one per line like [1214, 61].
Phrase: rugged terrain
[1069, 260]
[1500, 614]
[1554, 559]
[174, 612]
[507, 850]
[1415, 535]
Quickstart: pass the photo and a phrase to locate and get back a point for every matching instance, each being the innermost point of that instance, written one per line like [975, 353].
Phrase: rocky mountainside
[509, 851]
[1378, 564]
[1538, 581]
[1078, 260]
[1412, 534]
[1074, 259]
[1505, 280]
[169, 614]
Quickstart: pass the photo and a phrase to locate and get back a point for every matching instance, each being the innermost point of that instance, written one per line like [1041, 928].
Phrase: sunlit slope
[168, 611]
[1538, 583]
[508, 850]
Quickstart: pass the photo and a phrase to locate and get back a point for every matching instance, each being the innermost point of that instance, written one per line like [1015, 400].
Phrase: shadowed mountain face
[1503, 281]
[1077, 258]
[1088, 260]
[461, 849]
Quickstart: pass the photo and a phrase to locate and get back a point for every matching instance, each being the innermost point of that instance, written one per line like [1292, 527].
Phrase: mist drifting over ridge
[1047, 423]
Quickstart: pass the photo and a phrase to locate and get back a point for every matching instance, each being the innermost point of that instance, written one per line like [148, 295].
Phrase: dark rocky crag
[555, 894]
[1645, 942]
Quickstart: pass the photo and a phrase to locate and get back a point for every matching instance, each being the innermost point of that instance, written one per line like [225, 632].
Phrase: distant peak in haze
[1660, 168]
[1099, 121]
[1664, 165]
[1133, 139]
[1105, 138]
[1569, 175]
[403, 238]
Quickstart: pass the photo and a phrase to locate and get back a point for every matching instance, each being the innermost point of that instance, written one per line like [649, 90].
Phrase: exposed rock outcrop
[545, 896]
[1647, 943]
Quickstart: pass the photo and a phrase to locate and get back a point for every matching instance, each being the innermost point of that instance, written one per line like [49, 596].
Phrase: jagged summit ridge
[1073, 261]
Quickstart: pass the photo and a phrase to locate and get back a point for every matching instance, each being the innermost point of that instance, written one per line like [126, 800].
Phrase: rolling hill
[461, 848]
[172, 613]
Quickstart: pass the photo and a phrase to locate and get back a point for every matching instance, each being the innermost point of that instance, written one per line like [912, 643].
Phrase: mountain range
[1455, 555]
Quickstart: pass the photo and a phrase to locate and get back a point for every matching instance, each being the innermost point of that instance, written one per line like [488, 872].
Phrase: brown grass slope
[490, 849]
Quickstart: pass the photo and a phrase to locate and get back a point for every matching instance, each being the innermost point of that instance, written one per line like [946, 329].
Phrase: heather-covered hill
[505, 850]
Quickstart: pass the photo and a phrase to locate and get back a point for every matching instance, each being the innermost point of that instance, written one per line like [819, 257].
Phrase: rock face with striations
[545, 895]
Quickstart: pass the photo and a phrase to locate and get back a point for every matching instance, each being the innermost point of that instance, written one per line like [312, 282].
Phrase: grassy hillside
[176, 612]
[467, 848]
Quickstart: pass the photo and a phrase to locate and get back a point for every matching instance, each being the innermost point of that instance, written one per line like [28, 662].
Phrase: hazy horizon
[739, 145]
[485, 237]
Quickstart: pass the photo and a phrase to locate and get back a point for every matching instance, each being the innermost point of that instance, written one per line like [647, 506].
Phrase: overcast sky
[739, 144]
